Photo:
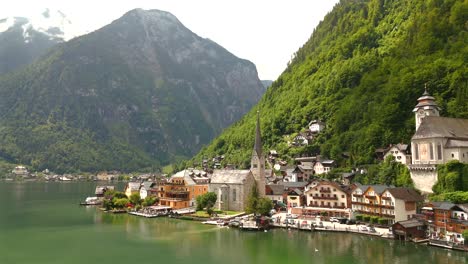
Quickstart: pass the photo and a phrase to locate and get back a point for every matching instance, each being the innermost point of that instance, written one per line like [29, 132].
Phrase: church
[232, 187]
[437, 140]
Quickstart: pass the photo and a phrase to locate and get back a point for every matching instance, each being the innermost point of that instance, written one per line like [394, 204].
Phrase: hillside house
[316, 126]
[401, 153]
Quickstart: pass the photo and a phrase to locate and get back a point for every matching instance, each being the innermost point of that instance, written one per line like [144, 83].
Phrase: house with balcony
[182, 188]
[392, 203]
[399, 204]
[446, 220]
[323, 196]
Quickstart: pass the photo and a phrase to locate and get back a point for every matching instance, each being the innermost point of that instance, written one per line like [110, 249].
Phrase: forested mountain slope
[141, 92]
[361, 72]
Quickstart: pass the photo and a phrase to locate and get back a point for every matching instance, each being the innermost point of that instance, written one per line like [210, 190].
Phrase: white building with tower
[437, 140]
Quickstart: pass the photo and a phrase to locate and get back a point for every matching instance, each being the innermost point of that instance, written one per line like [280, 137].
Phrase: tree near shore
[207, 200]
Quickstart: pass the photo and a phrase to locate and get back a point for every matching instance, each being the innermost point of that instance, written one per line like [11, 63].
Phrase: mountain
[22, 40]
[138, 93]
[266, 83]
[361, 72]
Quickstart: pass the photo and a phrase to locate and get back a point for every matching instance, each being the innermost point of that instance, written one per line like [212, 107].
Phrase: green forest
[360, 72]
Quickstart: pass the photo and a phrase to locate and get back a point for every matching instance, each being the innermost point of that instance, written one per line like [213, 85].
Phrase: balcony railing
[388, 206]
[325, 190]
[324, 198]
[357, 195]
[172, 199]
[386, 198]
[370, 196]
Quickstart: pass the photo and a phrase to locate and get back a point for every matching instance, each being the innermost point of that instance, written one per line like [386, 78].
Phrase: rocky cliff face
[144, 85]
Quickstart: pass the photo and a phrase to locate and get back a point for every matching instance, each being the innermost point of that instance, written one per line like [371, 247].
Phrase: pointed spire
[425, 90]
[258, 137]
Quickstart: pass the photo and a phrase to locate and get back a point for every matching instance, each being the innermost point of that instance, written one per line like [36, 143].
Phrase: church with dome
[437, 140]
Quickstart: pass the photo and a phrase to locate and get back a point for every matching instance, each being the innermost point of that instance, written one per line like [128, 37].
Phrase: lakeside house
[392, 203]
[146, 189]
[412, 229]
[446, 220]
[101, 190]
[183, 188]
[132, 188]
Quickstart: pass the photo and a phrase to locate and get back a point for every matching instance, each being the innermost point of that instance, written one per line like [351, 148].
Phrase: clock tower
[426, 107]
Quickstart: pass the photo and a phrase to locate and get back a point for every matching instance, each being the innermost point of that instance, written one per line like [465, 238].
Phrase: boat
[92, 201]
[153, 211]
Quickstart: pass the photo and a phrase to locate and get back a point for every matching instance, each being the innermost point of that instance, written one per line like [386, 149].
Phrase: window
[453, 155]
[342, 196]
[431, 151]
[234, 195]
[416, 151]
[254, 165]
[439, 151]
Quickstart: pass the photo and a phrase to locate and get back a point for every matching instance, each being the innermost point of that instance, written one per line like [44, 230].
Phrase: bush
[383, 221]
[359, 217]
[366, 218]
[374, 219]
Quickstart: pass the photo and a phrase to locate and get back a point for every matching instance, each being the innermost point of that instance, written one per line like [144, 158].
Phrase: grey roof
[103, 189]
[134, 186]
[294, 184]
[436, 126]
[296, 191]
[327, 162]
[379, 188]
[463, 207]
[148, 184]
[411, 223]
[406, 194]
[443, 205]
[186, 175]
[276, 189]
[454, 143]
[229, 176]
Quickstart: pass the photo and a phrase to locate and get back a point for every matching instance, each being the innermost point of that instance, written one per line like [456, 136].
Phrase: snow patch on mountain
[52, 23]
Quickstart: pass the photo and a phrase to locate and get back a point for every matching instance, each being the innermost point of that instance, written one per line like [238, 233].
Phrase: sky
[264, 32]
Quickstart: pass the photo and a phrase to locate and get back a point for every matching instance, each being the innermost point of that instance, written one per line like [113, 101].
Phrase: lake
[42, 223]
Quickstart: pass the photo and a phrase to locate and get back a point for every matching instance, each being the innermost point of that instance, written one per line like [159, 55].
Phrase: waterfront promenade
[305, 224]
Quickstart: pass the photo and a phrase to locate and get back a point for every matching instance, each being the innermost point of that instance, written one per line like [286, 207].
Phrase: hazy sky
[264, 32]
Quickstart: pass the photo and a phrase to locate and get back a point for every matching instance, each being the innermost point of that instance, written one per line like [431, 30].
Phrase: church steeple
[426, 107]
[258, 137]
[257, 164]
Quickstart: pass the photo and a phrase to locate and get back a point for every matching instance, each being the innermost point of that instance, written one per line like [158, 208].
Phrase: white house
[324, 166]
[401, 153]
[399, 204]
[327, 194]
[315, 126]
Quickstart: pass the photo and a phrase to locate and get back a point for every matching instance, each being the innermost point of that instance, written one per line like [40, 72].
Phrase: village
[302, 198]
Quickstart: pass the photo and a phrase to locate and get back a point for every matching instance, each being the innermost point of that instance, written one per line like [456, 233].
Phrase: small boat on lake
[92, 201]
